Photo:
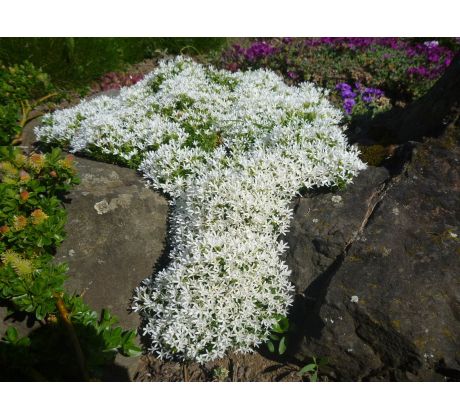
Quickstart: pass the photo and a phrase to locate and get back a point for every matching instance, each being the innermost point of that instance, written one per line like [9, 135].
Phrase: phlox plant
[230, 150]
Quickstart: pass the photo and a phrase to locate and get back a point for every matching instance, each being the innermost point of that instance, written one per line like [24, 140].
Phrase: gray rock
[28, 137]
[111, 93]
[387, 307]
[115, 233]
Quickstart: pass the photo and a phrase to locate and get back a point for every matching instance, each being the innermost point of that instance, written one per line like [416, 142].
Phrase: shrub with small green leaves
[21, 86]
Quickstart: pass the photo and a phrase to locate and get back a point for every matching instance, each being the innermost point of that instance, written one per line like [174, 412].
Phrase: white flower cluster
[231, 150]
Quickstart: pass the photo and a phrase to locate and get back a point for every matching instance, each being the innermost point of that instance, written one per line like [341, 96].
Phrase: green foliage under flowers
[277, 342]
[382, 66]
[22, 87]
[32, 222]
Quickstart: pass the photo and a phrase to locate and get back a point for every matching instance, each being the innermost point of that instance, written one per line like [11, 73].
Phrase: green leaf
[274, 337]
[24, 341]
[40, 312]
[132, 351]
[277, 329]
[271, 347]
[105, 315]
[314, 377]
[308, 368]
[284, 324]
[281, 325]
[282, 346]
[12, 334]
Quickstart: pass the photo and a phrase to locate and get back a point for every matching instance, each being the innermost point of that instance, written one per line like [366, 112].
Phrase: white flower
[354, 299]
[431, 44]
[231, 150]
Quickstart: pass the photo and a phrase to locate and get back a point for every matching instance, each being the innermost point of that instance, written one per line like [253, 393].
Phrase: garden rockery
[230, 150]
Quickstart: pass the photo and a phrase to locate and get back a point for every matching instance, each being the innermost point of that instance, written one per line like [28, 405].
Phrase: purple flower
[419, 71]
[238, 49]
[370, 94]
[346, 91]
[293, 75]
[373, 91]
[343, 86]
[363, 93]
[259, 50]
[348, 105]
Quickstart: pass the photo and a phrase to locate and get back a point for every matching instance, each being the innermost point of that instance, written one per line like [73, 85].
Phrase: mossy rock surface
[373, 155]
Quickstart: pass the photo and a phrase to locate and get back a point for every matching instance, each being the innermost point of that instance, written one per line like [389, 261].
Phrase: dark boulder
[378, 284]
[325, 223]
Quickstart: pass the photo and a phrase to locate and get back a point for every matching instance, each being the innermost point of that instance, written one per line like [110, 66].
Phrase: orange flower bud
[19, 222]
[23, 175]
[24, 195]
[51, 319]
[38, 216]
[4, 229]
[53, 174]
[37, 161]
[66, 163]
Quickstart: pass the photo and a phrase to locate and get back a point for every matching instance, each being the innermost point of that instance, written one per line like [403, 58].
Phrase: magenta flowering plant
[403, 68]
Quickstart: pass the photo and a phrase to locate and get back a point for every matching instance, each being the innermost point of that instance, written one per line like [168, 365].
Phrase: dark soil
[237, 368]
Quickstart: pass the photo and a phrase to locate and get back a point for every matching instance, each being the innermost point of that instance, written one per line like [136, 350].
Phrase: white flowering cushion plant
[231, 150]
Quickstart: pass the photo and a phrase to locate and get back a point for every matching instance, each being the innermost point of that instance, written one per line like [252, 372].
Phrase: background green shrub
[74, 62]
[20, 84]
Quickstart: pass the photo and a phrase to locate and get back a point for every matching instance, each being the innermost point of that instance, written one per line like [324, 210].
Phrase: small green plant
[220, 374]
[312, 369]
[277, 342]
